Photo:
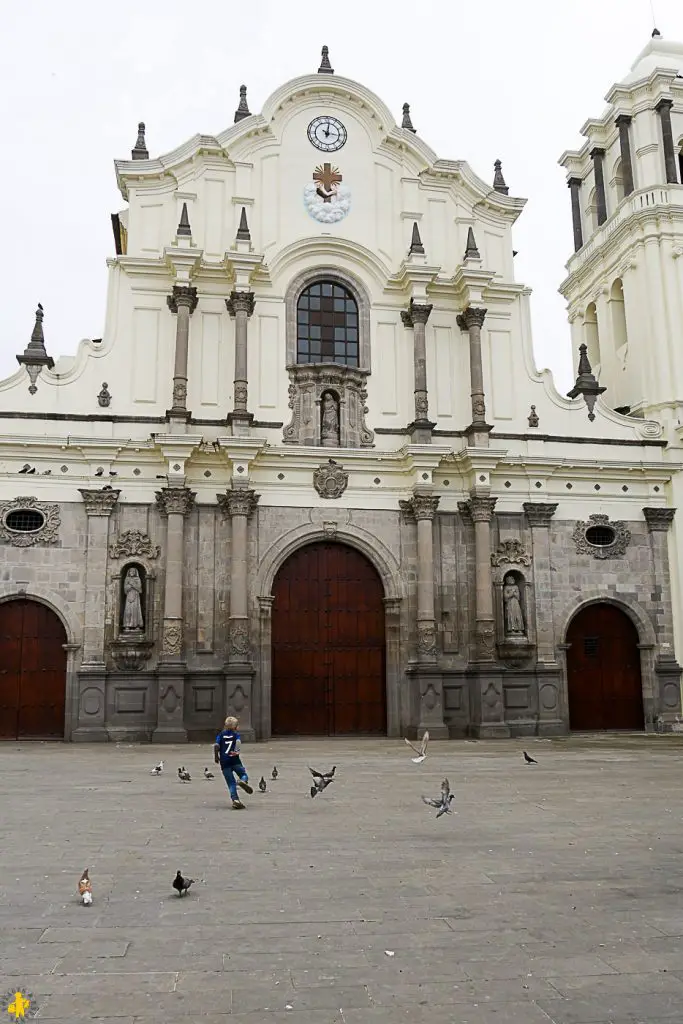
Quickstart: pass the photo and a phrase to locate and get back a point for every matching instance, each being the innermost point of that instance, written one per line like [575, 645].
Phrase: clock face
[327, 133]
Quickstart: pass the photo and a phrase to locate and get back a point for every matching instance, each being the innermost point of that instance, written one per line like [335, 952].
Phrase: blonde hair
[231, 723]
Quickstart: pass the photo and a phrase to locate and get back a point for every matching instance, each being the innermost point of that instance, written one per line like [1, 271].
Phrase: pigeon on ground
[529, 760]
[157, 769]
[274, 774]
[85, 888]
[208, 774]
[321, 780]
[444, 802]
[421, 751]
[184, 775]
[180, 884]
[262, 784]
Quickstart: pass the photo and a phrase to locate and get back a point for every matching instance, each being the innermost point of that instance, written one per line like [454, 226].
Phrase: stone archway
[33, 671]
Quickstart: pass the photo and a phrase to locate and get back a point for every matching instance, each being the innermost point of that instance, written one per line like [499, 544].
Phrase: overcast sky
[513, 79]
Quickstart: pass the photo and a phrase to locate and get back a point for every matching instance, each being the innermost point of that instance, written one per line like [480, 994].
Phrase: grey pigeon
[321, 780]
[274, 774]
[181, 885]
[529, 760]
[262, 784]
[99, 472]
[443, 804]
[25, 468]
[208, 774]
[184, 775]
[421, 751]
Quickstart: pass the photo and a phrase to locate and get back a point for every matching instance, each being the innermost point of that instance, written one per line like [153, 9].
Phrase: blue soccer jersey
[228, 743]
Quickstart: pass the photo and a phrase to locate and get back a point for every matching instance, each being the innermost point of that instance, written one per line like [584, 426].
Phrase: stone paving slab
[553, 896]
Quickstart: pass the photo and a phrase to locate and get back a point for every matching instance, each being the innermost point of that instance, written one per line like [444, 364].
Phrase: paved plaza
[554, 894]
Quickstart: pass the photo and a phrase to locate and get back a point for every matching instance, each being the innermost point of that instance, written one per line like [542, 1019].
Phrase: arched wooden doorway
[328, 675]
[32, 671]
[603, 670]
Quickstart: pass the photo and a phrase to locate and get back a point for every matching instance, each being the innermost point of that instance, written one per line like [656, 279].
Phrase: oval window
[600, 536]
[24, 520]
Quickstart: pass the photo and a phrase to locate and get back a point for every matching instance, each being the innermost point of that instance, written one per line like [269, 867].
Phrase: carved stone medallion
[43, 532]
[426, 640]
[239, 638]
[173, 637]
[133, 543]
[330, 480]
[621, 537]
[510, 552]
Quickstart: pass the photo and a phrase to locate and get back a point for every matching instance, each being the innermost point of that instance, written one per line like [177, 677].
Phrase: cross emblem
[327, 177]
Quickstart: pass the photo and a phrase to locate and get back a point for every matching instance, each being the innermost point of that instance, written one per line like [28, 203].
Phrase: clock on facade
[327, 133]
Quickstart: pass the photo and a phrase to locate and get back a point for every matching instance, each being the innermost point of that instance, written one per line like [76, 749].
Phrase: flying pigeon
[323, 775]
[529, 760]
[274, 774]
[208, 774]
[85, 888]
[262, 784]
[157, 769]
[321, 781]
[444, 802]
[180, 884]
[421, 751]
[184, 775]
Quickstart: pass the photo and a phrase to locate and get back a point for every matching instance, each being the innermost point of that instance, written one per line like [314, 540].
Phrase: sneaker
[237, 805]
[245, 786]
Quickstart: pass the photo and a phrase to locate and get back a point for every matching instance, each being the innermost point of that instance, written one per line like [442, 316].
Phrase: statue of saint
[329, 423]
[512, 605]
[132, 608]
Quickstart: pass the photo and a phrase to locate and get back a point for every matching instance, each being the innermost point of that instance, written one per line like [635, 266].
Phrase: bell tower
[624, 284]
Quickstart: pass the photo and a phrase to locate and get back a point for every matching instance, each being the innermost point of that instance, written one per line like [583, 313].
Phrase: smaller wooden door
[32, 671]
[603, 671]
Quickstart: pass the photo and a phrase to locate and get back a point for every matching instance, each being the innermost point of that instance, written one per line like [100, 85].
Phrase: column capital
[623, 120]
[240, 302]
[420, 506]
[240, 501]
[416, 313]
[473, 316]
[539, 513]
[480, 508]
[574, 182]
[175, 501]
[659, 519]
[100, 502]
[182, 295]
[664, 104]
[597, 151]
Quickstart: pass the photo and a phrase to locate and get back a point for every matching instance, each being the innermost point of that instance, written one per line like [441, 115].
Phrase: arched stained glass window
[327, 325]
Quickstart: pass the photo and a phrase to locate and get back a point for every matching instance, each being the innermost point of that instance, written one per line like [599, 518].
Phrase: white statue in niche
[512, 607]
[132, 609]
[329, 421]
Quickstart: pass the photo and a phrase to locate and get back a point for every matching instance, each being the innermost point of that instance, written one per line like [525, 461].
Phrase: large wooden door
[328, 644]
[603, 670]
[32, 671]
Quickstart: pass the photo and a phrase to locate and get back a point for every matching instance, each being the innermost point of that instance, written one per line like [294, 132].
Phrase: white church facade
[310, 474]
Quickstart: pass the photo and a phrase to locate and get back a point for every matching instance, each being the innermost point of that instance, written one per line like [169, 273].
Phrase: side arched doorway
[32, 671]
[604, 683]
[328, 674]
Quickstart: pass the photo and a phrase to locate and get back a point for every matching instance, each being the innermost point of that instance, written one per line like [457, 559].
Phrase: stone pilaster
[548, 670]
[472, 321]
[663, 108]
[574, 185]
[173, 503]
[598, 157]
[239, 505]
[623, 123]
[99, 505]
[416, 317]
[667, 669]
[240, 305]
[183, 302]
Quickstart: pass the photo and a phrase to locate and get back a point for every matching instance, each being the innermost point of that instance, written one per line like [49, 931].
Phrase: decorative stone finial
[184, 223]
[471, 251]
[416, 242]
[586, 383]
[243, 233]
[140, 151]
[656, 33]
[325, 66]
[406, 122]
[242, 108]
[498, 179]
[35, 357]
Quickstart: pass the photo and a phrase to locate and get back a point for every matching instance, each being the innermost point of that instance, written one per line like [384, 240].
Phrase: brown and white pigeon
[85, 888]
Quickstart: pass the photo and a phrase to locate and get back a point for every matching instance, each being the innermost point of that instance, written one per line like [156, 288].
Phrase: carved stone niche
[512, 611]
[133, 599]
[309, 384]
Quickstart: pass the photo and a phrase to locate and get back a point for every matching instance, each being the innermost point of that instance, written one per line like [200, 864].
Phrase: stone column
[416, 316]
[239, 505]
[183, 302]
[623, 123]
[472, 320]
[91, 717]
[663, 108]
[574, 185]
[666, 705]
[240, 305]
[174, 503]
[598, 156]
[552, 718]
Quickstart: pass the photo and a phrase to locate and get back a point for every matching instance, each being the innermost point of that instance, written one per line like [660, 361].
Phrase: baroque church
[311, 476]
